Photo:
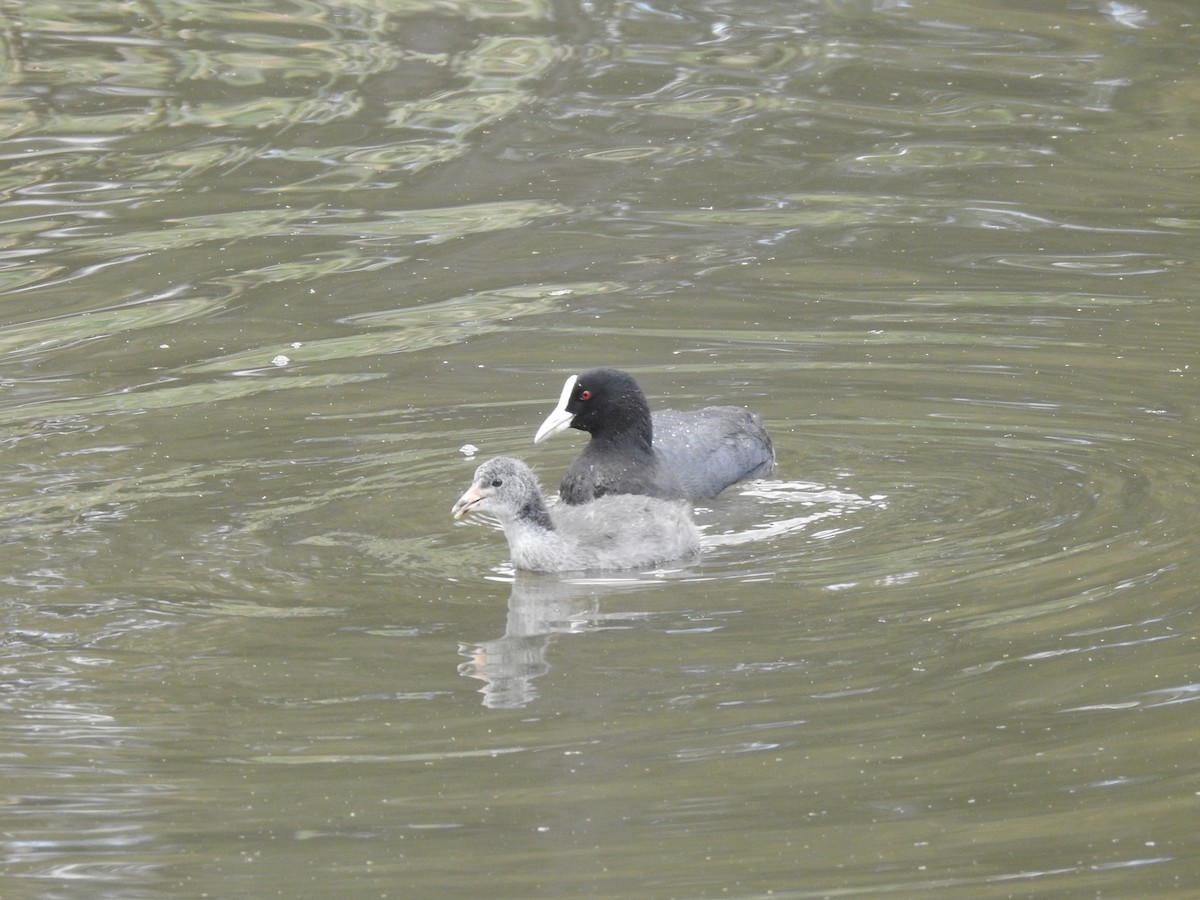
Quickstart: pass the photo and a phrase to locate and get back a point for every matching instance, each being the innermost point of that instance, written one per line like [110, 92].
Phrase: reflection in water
[539, 607]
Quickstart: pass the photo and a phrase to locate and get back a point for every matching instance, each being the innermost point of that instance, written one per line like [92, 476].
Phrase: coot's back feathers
[617, 532]
[669, 454]
[730, 440]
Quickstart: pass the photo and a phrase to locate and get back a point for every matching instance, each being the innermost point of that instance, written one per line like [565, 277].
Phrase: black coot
[668, 454]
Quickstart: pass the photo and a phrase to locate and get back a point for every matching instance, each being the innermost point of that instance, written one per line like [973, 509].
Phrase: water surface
[267, 267]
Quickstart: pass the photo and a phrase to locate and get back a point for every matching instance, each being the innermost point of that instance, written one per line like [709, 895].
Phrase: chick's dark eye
[497, 482]
[585, 395]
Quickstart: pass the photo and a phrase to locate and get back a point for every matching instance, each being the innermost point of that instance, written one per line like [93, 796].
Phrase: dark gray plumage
[668, 454]
[617, 532]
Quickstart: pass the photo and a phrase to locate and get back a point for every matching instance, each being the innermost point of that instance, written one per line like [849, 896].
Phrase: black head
[608, 401]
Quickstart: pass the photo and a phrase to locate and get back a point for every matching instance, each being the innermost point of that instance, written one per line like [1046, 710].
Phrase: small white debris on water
[468, 450]
[280, 360]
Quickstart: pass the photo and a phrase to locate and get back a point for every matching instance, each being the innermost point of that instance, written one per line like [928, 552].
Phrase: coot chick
[617, 532]
[669, 454]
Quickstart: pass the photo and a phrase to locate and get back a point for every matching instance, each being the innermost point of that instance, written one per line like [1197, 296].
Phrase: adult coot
[617, 532]
[668, 454]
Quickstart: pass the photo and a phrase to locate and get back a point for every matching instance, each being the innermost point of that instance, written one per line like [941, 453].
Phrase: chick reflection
[539, 607]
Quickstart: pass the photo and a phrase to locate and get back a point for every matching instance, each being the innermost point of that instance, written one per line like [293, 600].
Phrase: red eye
[585, 395]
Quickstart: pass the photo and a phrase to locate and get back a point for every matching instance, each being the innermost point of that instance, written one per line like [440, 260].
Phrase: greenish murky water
[267, 267]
